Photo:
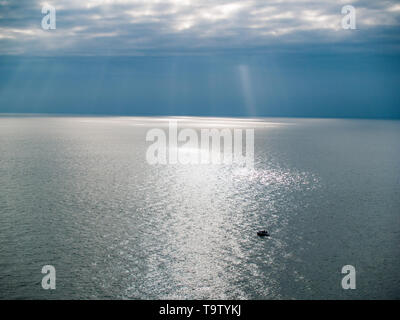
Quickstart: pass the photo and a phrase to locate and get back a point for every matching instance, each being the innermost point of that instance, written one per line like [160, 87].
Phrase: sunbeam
[248, 96]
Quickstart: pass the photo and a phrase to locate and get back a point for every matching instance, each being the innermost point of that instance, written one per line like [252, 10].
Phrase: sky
[209, 58]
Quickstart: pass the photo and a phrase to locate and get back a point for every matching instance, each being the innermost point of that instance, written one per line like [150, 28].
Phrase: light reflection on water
[77, 193]
[211, 231]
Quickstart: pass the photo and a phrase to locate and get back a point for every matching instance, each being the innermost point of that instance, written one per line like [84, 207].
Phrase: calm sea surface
[78, 194]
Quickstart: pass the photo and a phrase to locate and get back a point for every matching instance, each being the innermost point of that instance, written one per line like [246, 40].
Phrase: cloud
[131, 27]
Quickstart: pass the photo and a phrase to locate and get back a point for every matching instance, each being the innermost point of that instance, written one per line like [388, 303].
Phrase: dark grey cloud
[134, 27]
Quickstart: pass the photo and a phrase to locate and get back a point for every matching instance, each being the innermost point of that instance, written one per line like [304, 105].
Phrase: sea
[77, 193]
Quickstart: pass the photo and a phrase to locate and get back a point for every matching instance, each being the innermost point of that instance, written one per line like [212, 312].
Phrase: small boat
[263, 233]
